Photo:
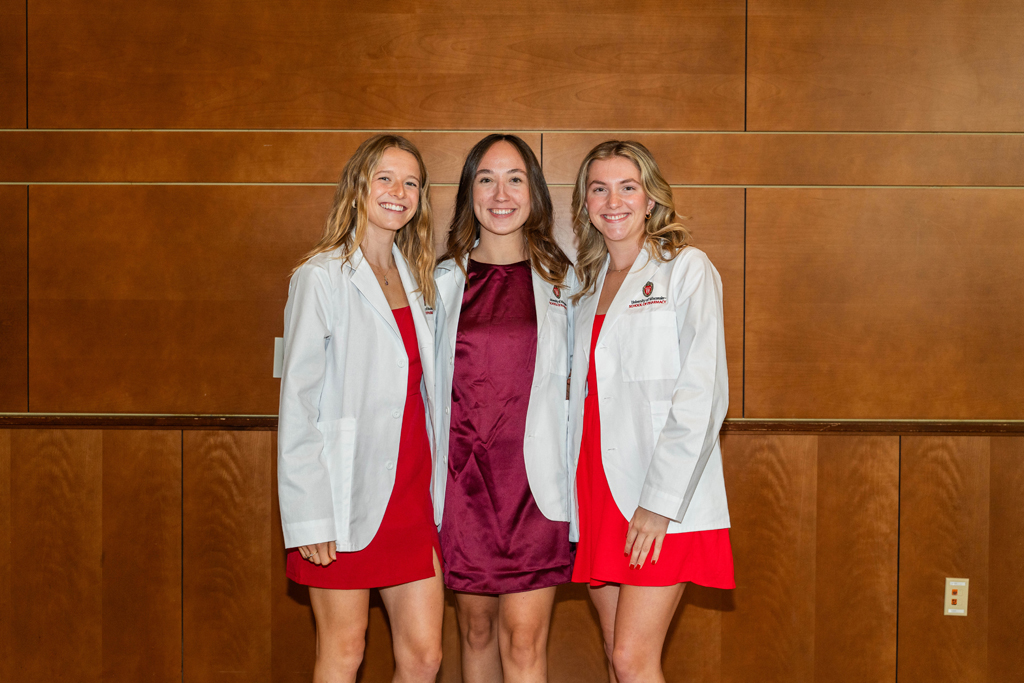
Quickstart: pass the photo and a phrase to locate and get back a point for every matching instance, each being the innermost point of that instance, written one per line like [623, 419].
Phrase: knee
[526, 647]
[633, 662]
[420, 660]
[479, 631]
[338, 661]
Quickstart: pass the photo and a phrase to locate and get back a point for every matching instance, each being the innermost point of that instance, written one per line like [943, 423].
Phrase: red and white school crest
[648, 288]
[557, 291]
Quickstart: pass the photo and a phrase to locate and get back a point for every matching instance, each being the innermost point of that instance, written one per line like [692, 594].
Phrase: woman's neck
[500, 249]
[623, 256]
[376, 246]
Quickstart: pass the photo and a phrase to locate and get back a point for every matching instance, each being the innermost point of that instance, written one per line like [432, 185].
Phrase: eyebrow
[390, 172]
[620, 182]
[511, 170]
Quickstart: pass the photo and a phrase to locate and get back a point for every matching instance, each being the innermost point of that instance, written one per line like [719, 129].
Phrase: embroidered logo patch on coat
[557, 292]
[648, 288]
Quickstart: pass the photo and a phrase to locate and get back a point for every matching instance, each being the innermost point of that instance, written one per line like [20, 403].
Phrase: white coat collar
[365, 281]
[640, 272]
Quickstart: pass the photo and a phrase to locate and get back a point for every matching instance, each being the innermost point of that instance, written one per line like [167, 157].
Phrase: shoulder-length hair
[664, 235]
[544, 253]
[347, 221]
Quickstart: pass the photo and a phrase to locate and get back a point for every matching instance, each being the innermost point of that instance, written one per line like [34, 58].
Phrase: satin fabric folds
[494, 538]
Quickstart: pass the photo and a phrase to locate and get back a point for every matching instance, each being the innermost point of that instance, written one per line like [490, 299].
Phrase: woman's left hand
[645, 529]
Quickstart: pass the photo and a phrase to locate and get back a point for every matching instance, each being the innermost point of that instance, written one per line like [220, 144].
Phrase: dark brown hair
[545, 255]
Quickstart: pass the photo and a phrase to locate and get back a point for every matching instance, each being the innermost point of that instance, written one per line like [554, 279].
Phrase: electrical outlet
[278, 356]
[956, 597]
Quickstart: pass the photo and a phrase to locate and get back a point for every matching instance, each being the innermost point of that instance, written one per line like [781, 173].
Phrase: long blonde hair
[545, 255]
[347, 221]
[664, 235]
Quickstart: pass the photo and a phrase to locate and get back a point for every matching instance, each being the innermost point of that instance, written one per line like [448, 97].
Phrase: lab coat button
[396, 413]
[446, 410]
[390, 465]
[401, 363]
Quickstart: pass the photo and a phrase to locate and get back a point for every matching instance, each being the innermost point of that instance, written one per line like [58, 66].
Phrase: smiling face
[394, 191]
[616, 201]
[501, 191]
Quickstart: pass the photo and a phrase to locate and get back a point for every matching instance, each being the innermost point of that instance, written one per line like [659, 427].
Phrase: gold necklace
[386, 273]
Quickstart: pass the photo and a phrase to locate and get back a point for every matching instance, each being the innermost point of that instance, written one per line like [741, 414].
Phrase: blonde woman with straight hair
[355, 441]
[649, 393]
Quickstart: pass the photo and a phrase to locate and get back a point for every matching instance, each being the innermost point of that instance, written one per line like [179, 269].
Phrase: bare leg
[341, 618]
[523, 623]
[606, 600]
[478, 631]
[416, 610]
[642, 618]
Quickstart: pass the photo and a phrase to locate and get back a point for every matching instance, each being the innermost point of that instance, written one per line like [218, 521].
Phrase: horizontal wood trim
[736, 426]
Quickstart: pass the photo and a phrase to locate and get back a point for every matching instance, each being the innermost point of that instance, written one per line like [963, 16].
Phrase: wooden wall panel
[575, 650]
[293, 630]
[815, 533]
[142, 556]
[857, 559]
[715, 219]
[801, 159]
[13, 51]
[57, 530]
[213, 156]
[209, 65]
[884, 303]
[772, 487]
[944, 532]
[6, 627]
[226, 572]
[14, 298]
[163, 298]
[693, 647]
[877, 65]
[1006, 559]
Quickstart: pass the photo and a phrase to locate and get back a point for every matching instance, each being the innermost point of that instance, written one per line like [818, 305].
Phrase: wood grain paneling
[575, 651]
[532, 65]
[944, 532]
[163, 298]
[13, 51]
[877, 65]
[226, 573]
[293, 634]
[211, 156]
[693, 647]
[14, 298]
[893, 303]
[805, 158]
[142, 556]
[772, 485]
[857, 559]
[5, 555]
[1006, 558]
[57, 530]
[715, 219]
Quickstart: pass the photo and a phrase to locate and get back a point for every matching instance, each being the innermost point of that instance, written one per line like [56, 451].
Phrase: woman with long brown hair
[354, 453]
[501, 484]
[646, 409]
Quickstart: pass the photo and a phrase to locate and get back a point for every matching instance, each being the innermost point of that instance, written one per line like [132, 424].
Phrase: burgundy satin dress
[402, 549]
[494, 538]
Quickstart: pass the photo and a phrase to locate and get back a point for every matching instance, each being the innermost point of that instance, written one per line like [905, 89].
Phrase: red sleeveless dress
[402, 549]
[703, 557]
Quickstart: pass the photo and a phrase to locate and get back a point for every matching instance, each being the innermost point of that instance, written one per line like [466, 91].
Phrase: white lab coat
[545, 437]
[343, 392]
[664, 391]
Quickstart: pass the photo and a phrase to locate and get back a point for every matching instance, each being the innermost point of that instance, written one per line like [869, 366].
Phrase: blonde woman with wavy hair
[649, 393]
[354, 452]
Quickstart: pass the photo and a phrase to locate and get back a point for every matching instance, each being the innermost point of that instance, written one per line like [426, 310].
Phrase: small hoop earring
[353, 203]
[648, 214]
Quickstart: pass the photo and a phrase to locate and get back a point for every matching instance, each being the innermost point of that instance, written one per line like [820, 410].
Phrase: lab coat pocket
[339, 453]
[649, 348]
[557, 343]
[659, 416]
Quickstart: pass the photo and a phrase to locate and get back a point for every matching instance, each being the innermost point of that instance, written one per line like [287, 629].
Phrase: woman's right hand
[321, 553]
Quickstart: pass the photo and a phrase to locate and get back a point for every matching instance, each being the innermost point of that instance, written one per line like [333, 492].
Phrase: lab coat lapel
[423, 323]
[643, 266]
[541, 293]
[366, 282]
[450, 287]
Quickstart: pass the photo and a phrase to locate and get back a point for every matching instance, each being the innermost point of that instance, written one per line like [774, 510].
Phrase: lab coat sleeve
[699, 397]
[304, 484]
